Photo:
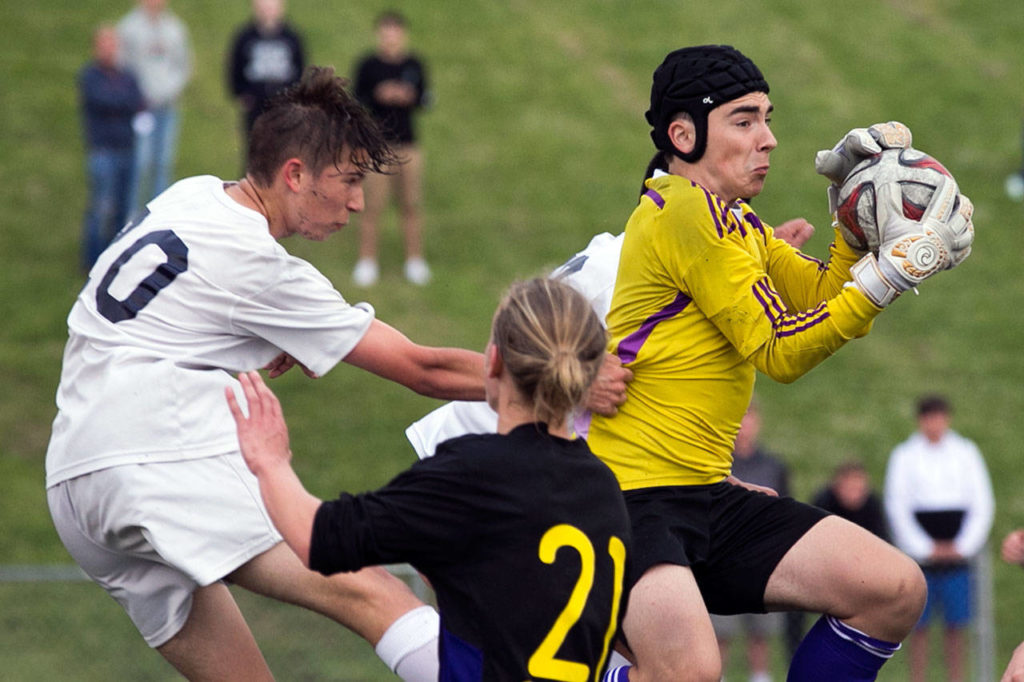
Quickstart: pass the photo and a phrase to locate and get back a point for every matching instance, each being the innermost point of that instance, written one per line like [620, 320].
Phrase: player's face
[735, 162]
[324, 202]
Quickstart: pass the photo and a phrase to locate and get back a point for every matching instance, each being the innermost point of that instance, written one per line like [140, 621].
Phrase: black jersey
[523, 537]
[262, 64]
[395, 121]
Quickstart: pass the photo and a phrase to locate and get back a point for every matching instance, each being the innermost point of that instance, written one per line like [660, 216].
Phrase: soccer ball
[917, 175]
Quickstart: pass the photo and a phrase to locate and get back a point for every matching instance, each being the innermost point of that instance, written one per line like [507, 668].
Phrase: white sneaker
[1015, 187]
[366, 273]
[417, 271]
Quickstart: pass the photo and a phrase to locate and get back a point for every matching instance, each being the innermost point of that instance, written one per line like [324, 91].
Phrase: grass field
[536, 142]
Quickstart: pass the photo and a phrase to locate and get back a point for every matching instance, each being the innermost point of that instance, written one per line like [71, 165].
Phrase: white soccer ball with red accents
[917, 175]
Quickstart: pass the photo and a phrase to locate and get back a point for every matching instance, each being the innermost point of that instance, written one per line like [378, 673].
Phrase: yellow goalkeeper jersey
[705, 295]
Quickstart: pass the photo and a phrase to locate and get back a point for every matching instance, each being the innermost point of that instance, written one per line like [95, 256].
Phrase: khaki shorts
[149, 534]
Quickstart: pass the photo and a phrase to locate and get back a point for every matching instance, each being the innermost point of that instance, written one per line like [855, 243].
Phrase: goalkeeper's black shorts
[731, 537]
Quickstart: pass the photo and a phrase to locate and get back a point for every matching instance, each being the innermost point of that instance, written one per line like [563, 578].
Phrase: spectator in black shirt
[266, 56]
[849, 494]
[392, 83]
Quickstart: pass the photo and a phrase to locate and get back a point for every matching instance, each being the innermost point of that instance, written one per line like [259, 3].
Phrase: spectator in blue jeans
[110, 98]
[155, 47]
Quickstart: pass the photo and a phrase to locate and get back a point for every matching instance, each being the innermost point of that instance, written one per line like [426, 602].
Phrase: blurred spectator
[155, 47]
[753, 464]
[1013, 552]
[266, 56]
[1015, 181]
[849, 495]
[938, 498]
[110, 98]
[392, 83]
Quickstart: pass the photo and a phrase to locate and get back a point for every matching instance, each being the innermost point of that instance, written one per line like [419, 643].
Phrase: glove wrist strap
[870, 281]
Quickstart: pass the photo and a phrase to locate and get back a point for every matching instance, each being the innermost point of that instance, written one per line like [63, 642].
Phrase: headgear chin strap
[696, 80]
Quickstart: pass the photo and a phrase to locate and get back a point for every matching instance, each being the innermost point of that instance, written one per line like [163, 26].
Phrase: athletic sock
[409, 646]
[834, 651]
[617, 674]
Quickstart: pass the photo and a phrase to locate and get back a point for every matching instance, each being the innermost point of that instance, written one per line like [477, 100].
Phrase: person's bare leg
[669, 630]
[841, 569]
[215, 644]
[955, 643]
[757, 654]
[918, 650]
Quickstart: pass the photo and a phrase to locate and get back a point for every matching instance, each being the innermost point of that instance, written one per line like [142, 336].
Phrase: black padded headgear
[696, 80]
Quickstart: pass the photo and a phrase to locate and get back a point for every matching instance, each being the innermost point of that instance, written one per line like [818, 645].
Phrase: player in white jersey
[145, 481]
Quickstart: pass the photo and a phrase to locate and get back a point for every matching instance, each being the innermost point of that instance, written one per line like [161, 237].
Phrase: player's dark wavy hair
[552, 344]
[316, 120]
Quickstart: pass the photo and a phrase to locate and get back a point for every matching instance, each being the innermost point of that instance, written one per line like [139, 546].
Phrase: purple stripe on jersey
[714, 214]
[769, 300]
[821, 266]
[631, 345]
[803, 328]
[658, 200]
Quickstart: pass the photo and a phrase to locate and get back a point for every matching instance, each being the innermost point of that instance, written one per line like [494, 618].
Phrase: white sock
[409, 646]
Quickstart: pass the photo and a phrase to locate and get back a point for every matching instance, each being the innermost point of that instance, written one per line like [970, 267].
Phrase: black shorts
[731, 537]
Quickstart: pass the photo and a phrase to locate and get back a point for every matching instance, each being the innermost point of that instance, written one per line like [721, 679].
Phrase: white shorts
[149, 534]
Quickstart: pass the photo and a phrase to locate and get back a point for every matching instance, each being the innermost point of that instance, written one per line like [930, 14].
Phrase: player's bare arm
[263, 439]
[447, 373]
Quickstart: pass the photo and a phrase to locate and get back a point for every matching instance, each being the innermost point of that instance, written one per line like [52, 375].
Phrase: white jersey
[948, 476]
[590, 272]
[196, 291]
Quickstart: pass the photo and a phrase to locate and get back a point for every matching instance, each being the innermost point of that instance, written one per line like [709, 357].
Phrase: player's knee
[902, 595]
[693, 665]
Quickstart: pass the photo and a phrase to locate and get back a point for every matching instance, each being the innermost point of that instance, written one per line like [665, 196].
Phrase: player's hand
[1015, 670]
[795, 232]
[263, 434]
[751, 486]
[609, 388]
[911, 251]
[857, 145]
[284, 362]
[1013, 547]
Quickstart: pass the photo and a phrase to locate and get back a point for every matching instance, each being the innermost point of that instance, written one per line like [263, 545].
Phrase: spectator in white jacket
[938, 499]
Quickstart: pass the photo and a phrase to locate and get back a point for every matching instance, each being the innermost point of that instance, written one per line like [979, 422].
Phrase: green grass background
[536, 141]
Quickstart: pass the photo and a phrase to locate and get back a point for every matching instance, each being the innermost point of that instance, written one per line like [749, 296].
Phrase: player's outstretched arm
[263, 439]
[447, 373]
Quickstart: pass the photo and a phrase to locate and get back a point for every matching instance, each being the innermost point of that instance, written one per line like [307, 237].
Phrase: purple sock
[836, 652]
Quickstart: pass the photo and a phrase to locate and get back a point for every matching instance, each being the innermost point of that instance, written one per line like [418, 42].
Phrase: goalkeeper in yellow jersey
[704, 297]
